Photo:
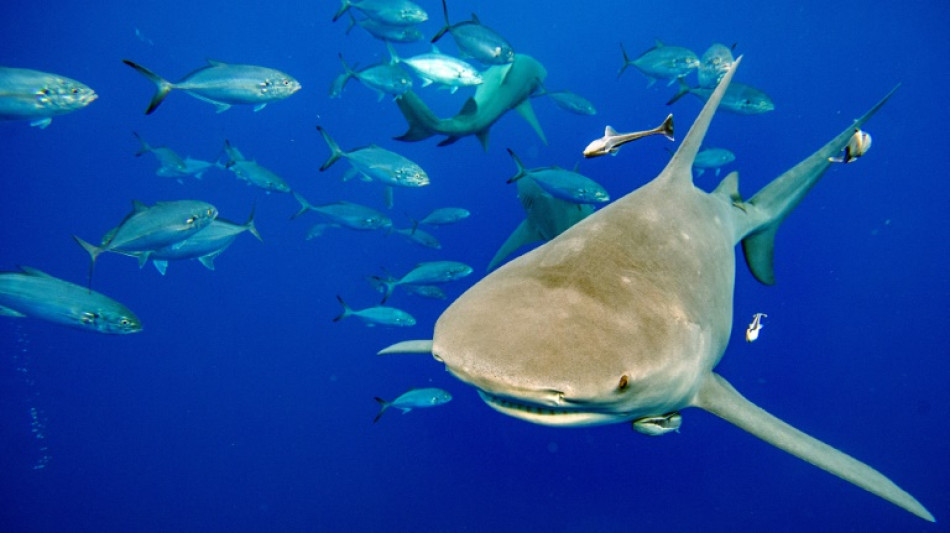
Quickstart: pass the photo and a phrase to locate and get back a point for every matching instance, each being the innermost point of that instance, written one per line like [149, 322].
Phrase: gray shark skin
[504, 87]
[626, 314]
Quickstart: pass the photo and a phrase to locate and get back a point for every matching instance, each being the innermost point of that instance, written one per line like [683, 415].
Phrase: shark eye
[623, 383]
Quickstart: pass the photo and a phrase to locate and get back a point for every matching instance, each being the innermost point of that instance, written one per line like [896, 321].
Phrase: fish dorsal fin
[435, 49]
[138, 207]
[658, 43]
[470, 107]
[610, 132]
[34, 272]
[215, 63]
[679, 169]
[475, 19]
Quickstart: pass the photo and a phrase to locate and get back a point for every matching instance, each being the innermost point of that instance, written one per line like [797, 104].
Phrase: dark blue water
[243, 407]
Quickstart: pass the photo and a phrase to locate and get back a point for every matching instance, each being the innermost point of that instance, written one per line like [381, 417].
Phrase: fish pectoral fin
[41, 123]
[527, 112]
[258, 107]
[6, 311]
[718, 397]
[160, 266]
[221, 108]
[416, 346]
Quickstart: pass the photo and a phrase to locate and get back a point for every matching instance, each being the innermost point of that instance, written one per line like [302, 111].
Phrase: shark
[546, 217]
[503, 87]
[624, 316]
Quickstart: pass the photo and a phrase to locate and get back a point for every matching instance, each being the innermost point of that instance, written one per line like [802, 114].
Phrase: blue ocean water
[243, 407]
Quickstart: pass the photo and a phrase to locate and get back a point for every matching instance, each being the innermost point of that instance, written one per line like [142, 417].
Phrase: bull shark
[504, 87]
[546, 217]
[624, 316]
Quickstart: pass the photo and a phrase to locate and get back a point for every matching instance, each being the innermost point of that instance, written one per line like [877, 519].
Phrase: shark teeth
[498, 401]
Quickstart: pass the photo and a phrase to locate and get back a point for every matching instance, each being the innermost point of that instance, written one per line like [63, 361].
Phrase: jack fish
[224, 85]
[39, 96]
[32, 293]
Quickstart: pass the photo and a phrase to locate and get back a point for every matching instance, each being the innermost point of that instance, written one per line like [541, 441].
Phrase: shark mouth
[548, 416]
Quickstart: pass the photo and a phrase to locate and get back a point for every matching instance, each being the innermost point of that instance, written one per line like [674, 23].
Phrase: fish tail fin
[164, 86]
[626, 61]
[93, 252]
[521, 171]
[304, 205]
[352, 22]
[335, 152]
[684, 89]
[384, 285]
[339, 83]
[382, 409]
[344, 7]
[249, 225]
[448, 25]
[718, 397]
[666, 129]
[769, 207]
[145, 148]
[346, 309]
[422, 121]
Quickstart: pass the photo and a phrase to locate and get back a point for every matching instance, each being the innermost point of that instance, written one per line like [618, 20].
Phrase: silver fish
[714, 64]
[392, 12]
[425, 273]
[739, 98]
[225, 84]
[477, 41]
[661, 62]
[386, 32]
[426, 291]
[414, 398]
[32, 293]
[39, 96]
[611, 142]
[444, 215]
[385, 78]
[436, 67]
[205, 245]
[562, 183]
[417, 236]
[712, 158]
[347, 214]
[377, 164]
[569, 101]
[377, 315]
[251, 172]
[149, 228]
[171, 163]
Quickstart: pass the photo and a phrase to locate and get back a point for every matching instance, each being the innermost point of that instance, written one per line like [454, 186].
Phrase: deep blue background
[242, 407]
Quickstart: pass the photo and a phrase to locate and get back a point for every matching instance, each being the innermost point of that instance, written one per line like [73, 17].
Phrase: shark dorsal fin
[680, 166]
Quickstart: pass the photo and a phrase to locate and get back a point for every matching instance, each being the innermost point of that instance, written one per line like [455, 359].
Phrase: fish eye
[124, 322]
[190, 220]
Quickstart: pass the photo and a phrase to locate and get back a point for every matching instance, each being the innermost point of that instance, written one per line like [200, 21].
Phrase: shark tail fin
[382, 409]
[448, 25]
[626, 61]
[335, 152]
[164, 86]
[766, 210]
[521, 171]
[718, 397]
[421, 119]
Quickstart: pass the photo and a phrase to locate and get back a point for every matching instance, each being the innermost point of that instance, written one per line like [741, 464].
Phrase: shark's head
[544, 347]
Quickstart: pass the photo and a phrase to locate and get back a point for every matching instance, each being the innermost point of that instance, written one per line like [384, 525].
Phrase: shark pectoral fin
[525, 110]
[718, 397]
[417, 346]
[759, 251]
[524, 234]
[6, 311]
